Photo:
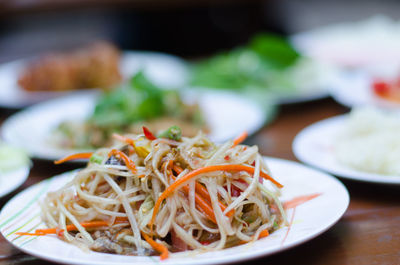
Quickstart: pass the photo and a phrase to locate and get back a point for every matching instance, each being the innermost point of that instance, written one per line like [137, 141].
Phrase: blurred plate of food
[268, 66]
[14, 168]
[359, 87]
[363, 145]
[369, 44]
[98, 66]
[85, 120]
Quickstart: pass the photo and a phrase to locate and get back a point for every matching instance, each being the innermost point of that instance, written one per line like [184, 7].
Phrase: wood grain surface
[368, 233]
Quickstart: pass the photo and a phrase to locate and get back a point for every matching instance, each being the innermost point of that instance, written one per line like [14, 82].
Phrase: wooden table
[368, 233]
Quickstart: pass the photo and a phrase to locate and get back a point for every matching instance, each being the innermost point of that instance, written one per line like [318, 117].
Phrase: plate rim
[248, 255]
[352, 174]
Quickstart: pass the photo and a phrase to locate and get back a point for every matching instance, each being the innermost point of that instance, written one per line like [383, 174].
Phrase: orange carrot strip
[157, 246]
[181, 181]
[299, 200]
[46, 231]
[200, 189]
[124, 139]
[177, 168]
[202, 205]
[29, 234]
[128, 162]
[264, 233]
[240, 139]
[74, 157]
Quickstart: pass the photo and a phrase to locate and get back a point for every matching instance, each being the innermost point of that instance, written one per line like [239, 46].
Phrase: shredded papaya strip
[47, 231]
[128, 162]
[156, 246]
[202, 191]
[195, 173]
[240, 139]
[74, 157]
[124, 139]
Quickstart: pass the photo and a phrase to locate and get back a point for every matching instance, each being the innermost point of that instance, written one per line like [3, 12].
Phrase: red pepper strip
[128, 162]
[148, 134]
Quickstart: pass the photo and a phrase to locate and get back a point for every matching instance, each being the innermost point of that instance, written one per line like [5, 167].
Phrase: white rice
[370, 142]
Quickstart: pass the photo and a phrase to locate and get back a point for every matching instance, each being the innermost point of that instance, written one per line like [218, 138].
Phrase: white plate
[314, 145]
[354, 88]
[226, 115]
[164, 70]
[12, 179]
[308, 220]
[366, 43]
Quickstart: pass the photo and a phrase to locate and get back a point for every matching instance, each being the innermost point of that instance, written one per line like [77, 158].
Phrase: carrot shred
[177, 168]
[203, 192]
[202, 205]
[299, 200]
[263, 233]
[181, 181]
[202, 196]
[128, 162]
[47, 231]
[124, 139]
[200, 189]
[157, 246]
[149, 135]
[240, 139]
[74, 157]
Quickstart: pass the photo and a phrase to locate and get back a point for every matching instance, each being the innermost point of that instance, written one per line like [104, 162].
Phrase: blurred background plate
[12, 179]
[226, 114]
[163, 69]
[355, 88]
[315, 145]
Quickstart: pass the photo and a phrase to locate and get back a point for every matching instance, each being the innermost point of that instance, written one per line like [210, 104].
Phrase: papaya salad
[152, 195]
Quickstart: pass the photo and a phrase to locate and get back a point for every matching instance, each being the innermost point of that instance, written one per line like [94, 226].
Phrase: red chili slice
[149, 135]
